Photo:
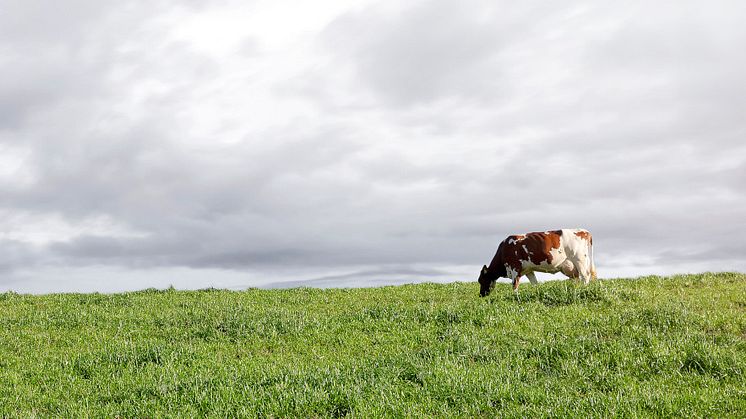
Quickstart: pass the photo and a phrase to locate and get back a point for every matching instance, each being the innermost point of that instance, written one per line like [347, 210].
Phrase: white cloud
[40, 230]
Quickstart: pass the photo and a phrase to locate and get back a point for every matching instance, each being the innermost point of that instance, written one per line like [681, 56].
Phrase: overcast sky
[346, 143]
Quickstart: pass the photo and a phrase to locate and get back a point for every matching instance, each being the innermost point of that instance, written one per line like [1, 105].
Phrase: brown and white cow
[569, 251]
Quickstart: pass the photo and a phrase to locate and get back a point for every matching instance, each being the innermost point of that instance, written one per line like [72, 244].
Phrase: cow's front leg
[532, 278]
[514, 273]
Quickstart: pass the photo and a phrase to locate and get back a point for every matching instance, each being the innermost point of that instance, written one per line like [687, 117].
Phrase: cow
[569, 251]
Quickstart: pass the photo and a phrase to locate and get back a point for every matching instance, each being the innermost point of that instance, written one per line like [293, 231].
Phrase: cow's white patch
[512, 273]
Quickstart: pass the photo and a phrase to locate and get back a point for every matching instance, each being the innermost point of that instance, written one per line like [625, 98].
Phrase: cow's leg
[515, 275]
[581, 266]
[569, 269]
[532, 278]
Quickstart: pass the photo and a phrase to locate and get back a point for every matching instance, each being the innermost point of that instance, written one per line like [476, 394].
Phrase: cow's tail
[590, 253]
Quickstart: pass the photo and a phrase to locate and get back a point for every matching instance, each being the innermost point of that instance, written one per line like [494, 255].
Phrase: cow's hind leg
[569, 270]
[581, 267]
[532, 278]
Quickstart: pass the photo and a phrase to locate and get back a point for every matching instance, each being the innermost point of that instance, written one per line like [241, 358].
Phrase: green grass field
[654, 346]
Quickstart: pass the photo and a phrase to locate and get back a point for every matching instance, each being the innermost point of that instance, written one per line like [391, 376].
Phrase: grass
[653, 346]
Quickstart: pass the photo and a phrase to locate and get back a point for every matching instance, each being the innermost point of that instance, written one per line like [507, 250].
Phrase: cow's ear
[484, 269]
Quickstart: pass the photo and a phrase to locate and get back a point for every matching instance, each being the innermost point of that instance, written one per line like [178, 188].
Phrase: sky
[237, 144]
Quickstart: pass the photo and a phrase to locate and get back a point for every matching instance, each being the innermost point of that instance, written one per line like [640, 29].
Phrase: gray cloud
[15, 254]
[394, 138]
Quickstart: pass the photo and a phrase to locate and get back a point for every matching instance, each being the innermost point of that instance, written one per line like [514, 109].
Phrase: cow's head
[486, 281]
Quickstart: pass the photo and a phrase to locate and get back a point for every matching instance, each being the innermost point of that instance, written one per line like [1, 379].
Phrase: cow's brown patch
[538, 246]
[536, 250]
[585, 236]
[533, 247]
[552, 241]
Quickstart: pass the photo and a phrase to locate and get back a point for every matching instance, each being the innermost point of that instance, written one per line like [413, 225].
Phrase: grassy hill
[652, 346]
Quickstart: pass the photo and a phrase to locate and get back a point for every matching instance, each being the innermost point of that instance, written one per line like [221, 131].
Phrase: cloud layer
[221, 143]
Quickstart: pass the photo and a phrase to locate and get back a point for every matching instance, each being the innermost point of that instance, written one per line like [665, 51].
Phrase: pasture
[654, 346]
